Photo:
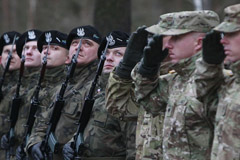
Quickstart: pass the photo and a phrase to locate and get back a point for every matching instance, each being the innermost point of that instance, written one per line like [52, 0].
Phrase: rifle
[34, 106]
[49, 144]
[6, 68]
[78, 143]
[16, 103]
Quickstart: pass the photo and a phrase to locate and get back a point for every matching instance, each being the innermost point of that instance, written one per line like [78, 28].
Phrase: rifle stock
[78, 143]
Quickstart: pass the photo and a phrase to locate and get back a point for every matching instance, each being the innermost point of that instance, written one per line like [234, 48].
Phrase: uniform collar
[185, 67]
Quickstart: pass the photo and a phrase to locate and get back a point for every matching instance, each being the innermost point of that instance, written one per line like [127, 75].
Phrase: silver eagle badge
[48, 37]
[80, 32]
[6, 38]
[111, 40]
[31, 35]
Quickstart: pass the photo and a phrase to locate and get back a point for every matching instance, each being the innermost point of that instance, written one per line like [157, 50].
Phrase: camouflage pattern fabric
[191, 21]
[105, 135]
[121, 103]
[74, 98]
[226, 141]
[186, 130]
[9, 82]
[231, 21]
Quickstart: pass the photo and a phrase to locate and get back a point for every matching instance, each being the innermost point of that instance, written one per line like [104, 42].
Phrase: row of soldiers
[164, 92]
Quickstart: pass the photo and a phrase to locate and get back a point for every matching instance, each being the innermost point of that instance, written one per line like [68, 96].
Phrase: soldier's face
[32, 55]
[56, 55]
[15, 61]
[231, 46]
[113, 57]
[180, 47]
[88, 51]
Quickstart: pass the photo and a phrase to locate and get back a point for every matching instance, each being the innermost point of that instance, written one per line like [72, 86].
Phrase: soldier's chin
[107, 70]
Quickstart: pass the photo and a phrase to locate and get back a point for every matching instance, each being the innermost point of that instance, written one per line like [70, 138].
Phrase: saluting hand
[213, 51]
[153, 55]
[133, 53]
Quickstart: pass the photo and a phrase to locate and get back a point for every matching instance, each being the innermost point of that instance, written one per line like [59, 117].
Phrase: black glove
[5, 142]
[213, 51]
[20, 154]
[153, 55]
[133, 53]
[36, 152]
[67, 152]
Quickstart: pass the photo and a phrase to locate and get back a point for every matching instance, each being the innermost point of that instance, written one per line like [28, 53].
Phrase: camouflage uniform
[226, 143]
[121, 103]
[52, 78]
[9, 82]
[186, 131]
[106, 136]
[74, 98]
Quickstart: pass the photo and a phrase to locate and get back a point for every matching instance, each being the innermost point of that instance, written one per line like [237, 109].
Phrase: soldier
[75, 92]
[105, 136]
[57, 55]
[121, 100]
[186, 131]
[11, 76]
[223, 42]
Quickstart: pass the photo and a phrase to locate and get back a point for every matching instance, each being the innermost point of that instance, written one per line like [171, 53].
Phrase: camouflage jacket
[10, 81]
[52, 77]
[186, 129]
[226, 140]
[105, 135]
[74, 98]
[121, 103]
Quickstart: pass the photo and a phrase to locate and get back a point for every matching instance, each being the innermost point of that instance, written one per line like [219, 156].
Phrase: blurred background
[106, 15]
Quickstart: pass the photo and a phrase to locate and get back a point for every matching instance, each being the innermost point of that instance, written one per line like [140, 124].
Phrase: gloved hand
[133, 53]
[36, 152]
[5, 142]
[153, 55]
[20, 154]
[67, 151]
[213, 51]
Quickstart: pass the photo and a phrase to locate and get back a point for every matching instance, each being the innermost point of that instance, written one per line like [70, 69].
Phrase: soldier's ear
[68, 60]
[198, 44]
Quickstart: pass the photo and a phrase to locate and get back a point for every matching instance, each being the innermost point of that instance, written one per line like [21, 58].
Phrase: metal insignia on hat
[58, 39]
[31, 35]
[111, 40]
[48, 37]
[80, 32]
[6, 38]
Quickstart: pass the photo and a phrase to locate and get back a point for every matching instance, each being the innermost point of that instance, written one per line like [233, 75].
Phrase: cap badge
[111, 40]
[48, 37]
[80, 32]
[6, 38]
[31, 35]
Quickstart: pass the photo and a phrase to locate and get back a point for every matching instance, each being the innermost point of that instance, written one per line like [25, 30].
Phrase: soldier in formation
[162, 94]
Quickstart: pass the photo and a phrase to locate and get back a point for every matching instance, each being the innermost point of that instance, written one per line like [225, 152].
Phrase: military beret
[231, 22]
[191, 21]
[30, 35]
[53, 37]
[116, 39]
[7, 39]
[88, 32]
